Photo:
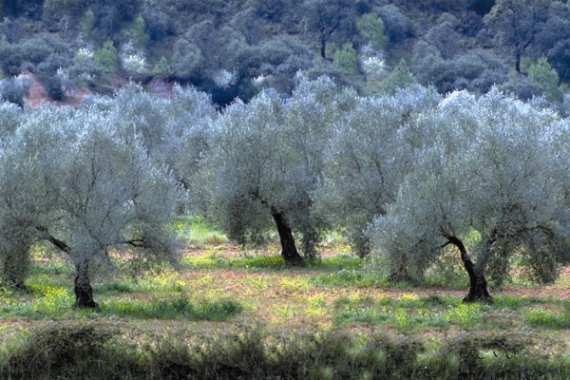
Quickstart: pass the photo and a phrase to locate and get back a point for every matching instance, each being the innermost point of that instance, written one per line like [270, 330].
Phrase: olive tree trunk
[288, 247]
[82, 284]
[83, 291]
[477, 282]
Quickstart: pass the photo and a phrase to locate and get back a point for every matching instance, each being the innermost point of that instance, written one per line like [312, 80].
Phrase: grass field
[337, 291]
[218, 290]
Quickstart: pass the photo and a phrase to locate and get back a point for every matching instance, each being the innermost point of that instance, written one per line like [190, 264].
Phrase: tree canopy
[73, 178]
[490, 172]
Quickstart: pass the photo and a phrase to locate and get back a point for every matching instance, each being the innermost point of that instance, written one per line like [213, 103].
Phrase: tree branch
[60, 244]
[137, 243]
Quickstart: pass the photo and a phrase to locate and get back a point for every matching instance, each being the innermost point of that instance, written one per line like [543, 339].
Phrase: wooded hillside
[234, 49]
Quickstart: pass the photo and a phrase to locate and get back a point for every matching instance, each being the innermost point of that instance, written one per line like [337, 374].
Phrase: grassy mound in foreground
[104, 351]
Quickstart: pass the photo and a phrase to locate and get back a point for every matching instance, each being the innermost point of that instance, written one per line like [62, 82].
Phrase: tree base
[477, 282]
[478, 294]
[85, 304]
[474, 298]
[296, 261]
[84, 297]
[478, 288]
[288, 248]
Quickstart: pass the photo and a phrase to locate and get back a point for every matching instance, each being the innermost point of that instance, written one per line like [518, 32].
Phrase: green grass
[549, 318]
[518, 302]
[54, 303]
[173, 295]
[117, 287]
[198, 232]
[350, 277]
[409, 313]
[181, 308]
[336, 294]
[336, 269]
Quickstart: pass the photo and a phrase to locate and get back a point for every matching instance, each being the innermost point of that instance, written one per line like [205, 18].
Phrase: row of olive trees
[407, 175]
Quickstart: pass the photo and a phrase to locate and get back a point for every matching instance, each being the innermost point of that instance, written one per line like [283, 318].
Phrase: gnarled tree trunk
[288, 247]
[477, 282]
[83, 290]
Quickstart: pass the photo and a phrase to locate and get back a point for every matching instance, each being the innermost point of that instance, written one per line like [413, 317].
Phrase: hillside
[234, 49]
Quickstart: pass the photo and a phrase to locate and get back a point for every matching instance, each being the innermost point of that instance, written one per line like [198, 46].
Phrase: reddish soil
[37, 93]
[73, 95]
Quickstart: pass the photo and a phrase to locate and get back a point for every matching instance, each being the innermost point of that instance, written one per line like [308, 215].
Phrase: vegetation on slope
[232, 49]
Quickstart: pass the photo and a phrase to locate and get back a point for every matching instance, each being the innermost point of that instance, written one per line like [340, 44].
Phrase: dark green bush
[397, 26]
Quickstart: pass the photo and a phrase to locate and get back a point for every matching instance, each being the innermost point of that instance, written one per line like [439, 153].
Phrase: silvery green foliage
[310, 116]
[268, 154]
[373, 147]
[190, 115]
[492, 167]
[70, 177]
[15, 89]
[238, 171]
[10, 117]
[173, 131]
[152, 134]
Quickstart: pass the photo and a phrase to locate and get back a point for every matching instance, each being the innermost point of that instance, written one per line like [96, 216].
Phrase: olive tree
[368, 156]
[266, 162]
[309, 122]
[492, 170]
[71, 178]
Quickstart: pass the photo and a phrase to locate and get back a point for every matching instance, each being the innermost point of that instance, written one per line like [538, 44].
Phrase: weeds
[317, 306]
[175, 308]
[299, 285]
[52, 300]
[408, 313]
[99, 351]
[61, 351]
[350, 278]
[547, 318]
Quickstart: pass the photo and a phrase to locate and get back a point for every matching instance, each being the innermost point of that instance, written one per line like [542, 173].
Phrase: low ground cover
[332, 318]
